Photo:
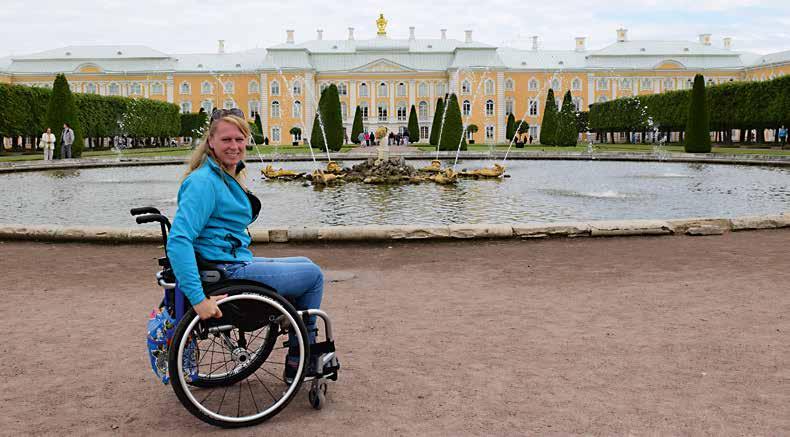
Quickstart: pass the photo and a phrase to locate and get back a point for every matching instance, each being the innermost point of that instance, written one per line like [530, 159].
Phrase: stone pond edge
[700, 226]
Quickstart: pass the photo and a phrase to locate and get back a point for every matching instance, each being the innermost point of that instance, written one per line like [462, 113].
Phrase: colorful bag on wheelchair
[160, 337]
[160, 333]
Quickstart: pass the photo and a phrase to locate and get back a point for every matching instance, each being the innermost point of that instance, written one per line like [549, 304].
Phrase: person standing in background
[67, 138]
[48, 143]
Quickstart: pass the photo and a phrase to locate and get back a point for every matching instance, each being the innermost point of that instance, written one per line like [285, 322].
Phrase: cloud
[184, 26]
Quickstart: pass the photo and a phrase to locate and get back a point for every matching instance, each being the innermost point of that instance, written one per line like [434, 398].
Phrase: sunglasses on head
[219, 113]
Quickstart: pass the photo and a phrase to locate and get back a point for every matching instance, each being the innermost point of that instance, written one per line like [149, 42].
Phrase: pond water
[536, 192]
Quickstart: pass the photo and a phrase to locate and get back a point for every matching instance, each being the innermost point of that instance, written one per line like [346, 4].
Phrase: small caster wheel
[317, 395]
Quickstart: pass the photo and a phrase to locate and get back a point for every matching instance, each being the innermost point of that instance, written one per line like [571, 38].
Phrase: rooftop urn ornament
[381, 23]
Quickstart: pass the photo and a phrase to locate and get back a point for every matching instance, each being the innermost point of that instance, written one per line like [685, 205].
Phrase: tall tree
[62, 109]
[259, 127]
[567, 128]
[357, 127]
[548, 128]
[414, 128]
[697, 137]
[332, 117]
[437, 121]
[510, 129]
[453, 127]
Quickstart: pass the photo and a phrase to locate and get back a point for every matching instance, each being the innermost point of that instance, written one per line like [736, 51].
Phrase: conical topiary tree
[316, 135]
[510, 129]
[414, 128]
[697, 133]
[357, 127]
[62, 109]
[437, 121]
[258, 127]
[567, 130]
[332, 117]
[548, 127]
[453, 127]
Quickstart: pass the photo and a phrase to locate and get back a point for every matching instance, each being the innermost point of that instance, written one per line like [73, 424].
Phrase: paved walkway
[570, 336]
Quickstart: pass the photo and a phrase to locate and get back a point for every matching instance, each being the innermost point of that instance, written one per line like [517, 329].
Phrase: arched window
[382, 111]
[509, 85]
[205, 87]
[625, 84]
[466, 108]
[576, 84]
[228, 87]
[466, 87]
[401, 112]
[382, 89]
[489, 133]
[489, 108]
[533, 84]
[297, 109]
[276, 134]
[207, 106]
[422, 110]
[157, 88]
[275, 88]
[297, 88]
[136, 88]
[275, 109]
[252, 107]
[646, 84]
[401, 89]
[343, 110]
[186, 88]
[186, 107]
[363, 90]
[252, 87]
[669, 84]
[508, 106]
[577, 103]
[90, 88]
[230, 104]
[342, 89]
[533, 108]
[424, 132]
[365, 110]
[422, 90]
[555, 85]
[441, 89]
[603, 84]
[489, 86]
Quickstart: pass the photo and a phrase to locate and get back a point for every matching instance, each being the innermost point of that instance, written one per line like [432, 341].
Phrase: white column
[352, 102]
[454, 82]
[373, 111]
[500, 107]
[391, 111]
[590, 89]
[613, 86]
[412, 94]
[264, 109]
[169, 88]
[310, 102]
[146, 87]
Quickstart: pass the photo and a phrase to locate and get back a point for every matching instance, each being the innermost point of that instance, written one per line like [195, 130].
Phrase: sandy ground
[644, 336]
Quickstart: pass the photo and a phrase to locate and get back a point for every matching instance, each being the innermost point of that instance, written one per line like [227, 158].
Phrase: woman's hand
[208, 308]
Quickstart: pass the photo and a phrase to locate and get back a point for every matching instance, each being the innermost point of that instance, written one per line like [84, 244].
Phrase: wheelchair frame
[323, 353]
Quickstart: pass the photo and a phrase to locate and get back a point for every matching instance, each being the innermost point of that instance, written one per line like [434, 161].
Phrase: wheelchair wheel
[230, 372]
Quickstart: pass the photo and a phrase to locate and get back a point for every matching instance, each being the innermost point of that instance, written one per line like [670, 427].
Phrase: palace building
[385, 76]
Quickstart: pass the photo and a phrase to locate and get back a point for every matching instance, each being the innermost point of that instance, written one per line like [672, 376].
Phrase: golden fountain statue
[271, 173]
[493, 172]
[435, 167]
[381, 23]
[333, 167]
[319, 177]
[446, 177]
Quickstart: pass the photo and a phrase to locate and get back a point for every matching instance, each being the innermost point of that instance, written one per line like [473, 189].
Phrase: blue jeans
[298, 279]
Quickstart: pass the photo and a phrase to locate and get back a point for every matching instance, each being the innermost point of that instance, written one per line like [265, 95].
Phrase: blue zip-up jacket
[213, 213]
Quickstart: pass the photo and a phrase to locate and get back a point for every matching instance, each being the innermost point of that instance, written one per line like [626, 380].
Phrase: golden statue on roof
[381, 23]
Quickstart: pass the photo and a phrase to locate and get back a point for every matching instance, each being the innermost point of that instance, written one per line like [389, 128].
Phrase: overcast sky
[194, 26]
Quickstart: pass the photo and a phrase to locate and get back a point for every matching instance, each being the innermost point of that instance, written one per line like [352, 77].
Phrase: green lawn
[268, 150]
[639, 148]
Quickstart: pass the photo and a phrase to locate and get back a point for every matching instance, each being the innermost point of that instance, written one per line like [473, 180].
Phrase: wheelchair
[231, 371]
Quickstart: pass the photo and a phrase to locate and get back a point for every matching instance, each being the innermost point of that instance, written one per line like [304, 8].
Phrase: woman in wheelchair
[214, 210]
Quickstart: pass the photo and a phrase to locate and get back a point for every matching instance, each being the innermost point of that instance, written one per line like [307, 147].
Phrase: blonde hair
[202, 151]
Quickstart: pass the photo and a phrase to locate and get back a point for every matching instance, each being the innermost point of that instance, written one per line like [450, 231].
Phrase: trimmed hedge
[414, 127]
[548, 127]
[453, 127]
[732, 105]
[356, 127]
[437, 122]
[23, 113]
[698, 123]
